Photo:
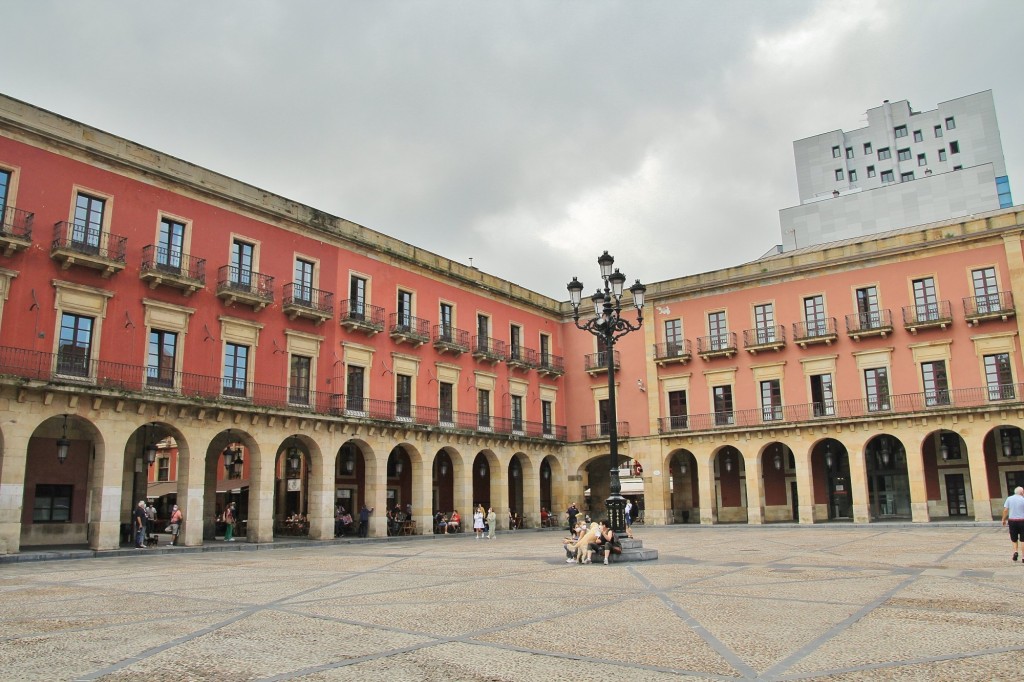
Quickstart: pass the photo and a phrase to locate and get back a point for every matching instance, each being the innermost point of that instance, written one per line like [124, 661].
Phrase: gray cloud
[529, 136]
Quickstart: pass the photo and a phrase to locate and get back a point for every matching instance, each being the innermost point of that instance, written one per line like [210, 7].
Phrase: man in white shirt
[1013, 515]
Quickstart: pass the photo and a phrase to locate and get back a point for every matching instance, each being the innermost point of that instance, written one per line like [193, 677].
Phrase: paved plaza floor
[872, 602]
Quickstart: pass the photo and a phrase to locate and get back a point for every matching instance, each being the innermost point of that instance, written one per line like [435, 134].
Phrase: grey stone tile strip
[725, 652]
[152, 651]
[895, 665]
[809, 648]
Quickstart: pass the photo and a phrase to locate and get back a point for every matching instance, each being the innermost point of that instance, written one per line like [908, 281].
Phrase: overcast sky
[526, 136]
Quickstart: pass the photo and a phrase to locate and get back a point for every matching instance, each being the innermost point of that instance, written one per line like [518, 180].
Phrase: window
[677, 409]
[938, 131]
[483, 330]
[876, 385]
[986, 290]
[871, 171]
[900, 131]
[950, 123]
[918, 137]
[241, 263]
[884, 154]
[926, 303]
[357, 294]
[954, 147]
[160, 364]
[849, 152]
[942, 155]
[517, 413]
[771, 400]
[814, 316]
[853, 175]
[88, 223]
[868, 315]
[722, 399]
[302, 289]
[936, 389]
[299, 380]
[821, 395]
[445, 317]
[483, 402]
[170, 245]
[446, 402]
[403, 396]
[903, 154]
[404, 309]
[673, 337]
[867, 148]
[839, 173]
[1003, 189]
[236, 369]
[887, 176]
[764, 322]
[545, 350]
[835, 152]
[163, 469]
[74, 349]
[719, 333]
[354, 377]
[922, 160]
[5, 183]
[545, 416]
[906, 177]
[602, 416]
[956, 168]
[514, 351]
[52, 504]
[999, 377]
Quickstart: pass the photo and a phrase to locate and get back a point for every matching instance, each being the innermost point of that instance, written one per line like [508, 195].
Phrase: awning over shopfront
[161, 488]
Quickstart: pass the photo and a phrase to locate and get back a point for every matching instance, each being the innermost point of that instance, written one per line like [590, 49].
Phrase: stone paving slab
[900, 602]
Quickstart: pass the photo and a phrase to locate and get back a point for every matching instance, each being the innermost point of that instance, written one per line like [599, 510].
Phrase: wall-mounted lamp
[482, 470]
[444, 469]
[829, 459]
[1007, 444]
[778, 460]
[728, 463]
[294, 458]
[546, 472]
[63, 444]
[682, 468]
[350, 463]
[886, 454]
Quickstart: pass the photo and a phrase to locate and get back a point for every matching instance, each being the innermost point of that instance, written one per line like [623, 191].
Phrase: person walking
[478, 522]
[492, 522]
[572, 512]
[1013, 516]
[175, 524]
[229, 523]
[139, 520]
[364, 521]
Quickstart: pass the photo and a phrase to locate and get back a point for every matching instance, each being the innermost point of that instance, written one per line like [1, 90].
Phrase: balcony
[487, 349]
[599, 431]
[448, 339]
[169, 268]
[15, 230]
[596, 363]
[357, 316]
[302, 301]
[927, 316]
[238, 285]
[764, 338]
[871, 323]
[550, 365]
[518, 357]
[76, 369]
[815, 331]
[995, 306]
[75, 244]
[672, 351]
[404, 328]
[677, 423]
[717, 346]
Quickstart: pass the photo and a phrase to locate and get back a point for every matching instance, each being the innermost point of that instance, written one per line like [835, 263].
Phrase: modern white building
[904, 168]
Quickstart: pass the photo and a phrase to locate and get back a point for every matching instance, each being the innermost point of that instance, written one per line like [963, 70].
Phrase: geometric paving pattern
[899, 602]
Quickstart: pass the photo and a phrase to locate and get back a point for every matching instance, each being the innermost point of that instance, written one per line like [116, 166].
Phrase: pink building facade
[293, 362]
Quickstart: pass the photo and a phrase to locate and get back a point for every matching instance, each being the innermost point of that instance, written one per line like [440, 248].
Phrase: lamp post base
[616, 508]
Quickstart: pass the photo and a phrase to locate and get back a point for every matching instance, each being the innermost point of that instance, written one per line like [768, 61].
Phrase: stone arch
[778, 498]
[885, 463]
[683, 484]
[730, 484]
[832, 492]
[234, 467]
[947, 475]
[553, 488]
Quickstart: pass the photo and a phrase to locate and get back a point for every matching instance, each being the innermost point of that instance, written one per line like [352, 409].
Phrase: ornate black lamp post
[607, 324]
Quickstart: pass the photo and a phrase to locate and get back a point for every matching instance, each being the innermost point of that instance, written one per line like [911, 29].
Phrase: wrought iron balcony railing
[245, 284]
[17, 223]
[520, 356]
[489, 349]
[305, 298]
[679, 351]
[602, 430]
[717, 344]
[995, 305]
[359, 315]
[85, 240]
[598, 362]
[764, 338]
[922, 315]
[815, 331]
[553, 365]
[74, 368]
[449, 338]
[870, 323]
[159, 261]
[403, 327]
